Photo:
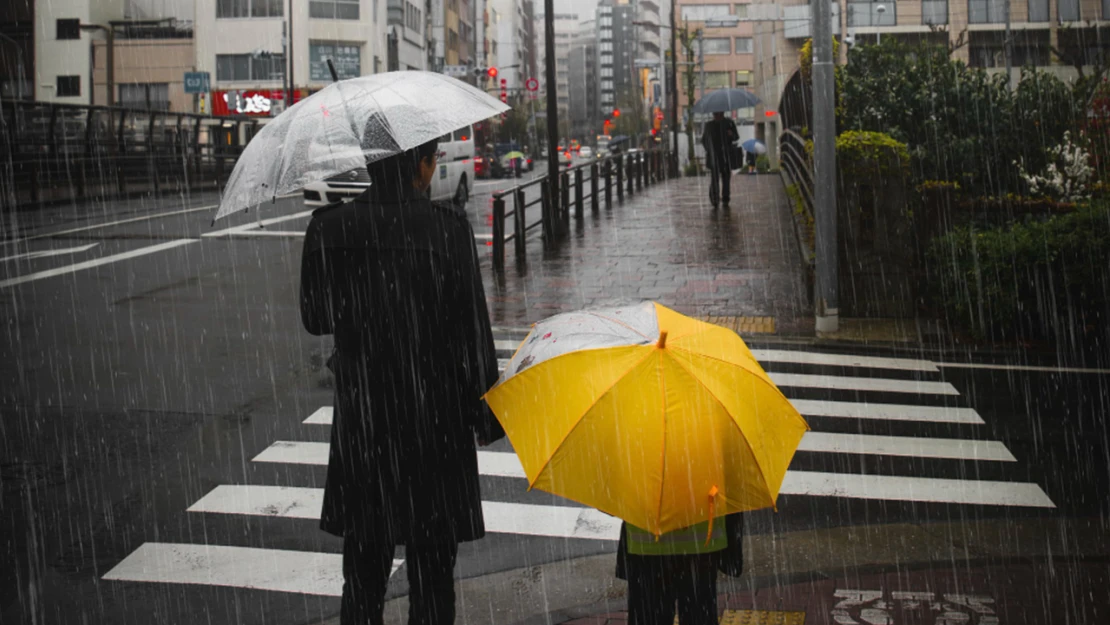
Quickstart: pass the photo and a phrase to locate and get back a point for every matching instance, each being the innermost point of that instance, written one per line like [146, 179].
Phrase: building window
[241, 67]
[1068, 10]
[702, 12]
[334, 9]
[715, 45]
[717, 80]
[149, 96]
[1038, 10]
[740, 10]
[248, 8]
[68, 28]
[876, 13]
[347, 58]
[935, 11]
[743, 77]
[743, 45]
[68, 86]
[986, 11]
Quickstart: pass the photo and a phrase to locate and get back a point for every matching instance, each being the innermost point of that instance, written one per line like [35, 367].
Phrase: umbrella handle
[334, 74]
[712, 511]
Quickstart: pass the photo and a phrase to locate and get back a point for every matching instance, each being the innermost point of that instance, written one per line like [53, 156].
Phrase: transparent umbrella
[348, 124]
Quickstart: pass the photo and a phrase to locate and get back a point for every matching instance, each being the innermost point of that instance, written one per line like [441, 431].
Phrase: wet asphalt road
[145, 363]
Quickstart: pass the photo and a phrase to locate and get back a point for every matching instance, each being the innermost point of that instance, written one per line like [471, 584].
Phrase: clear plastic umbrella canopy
[347, 125]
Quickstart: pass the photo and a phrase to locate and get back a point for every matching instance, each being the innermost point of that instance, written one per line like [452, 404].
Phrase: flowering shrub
[1068, 175]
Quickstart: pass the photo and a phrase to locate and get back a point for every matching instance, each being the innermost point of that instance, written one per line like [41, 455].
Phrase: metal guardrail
[795, 164]
[624, 173]
[59, 152]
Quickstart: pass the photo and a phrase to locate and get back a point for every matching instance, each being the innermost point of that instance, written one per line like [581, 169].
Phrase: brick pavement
[667, 244]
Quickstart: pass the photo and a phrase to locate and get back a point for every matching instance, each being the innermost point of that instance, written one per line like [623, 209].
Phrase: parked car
[482, 167]
[586, 152]
[452, 181]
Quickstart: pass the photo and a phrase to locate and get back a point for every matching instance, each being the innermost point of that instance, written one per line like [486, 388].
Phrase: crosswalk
[900, 395]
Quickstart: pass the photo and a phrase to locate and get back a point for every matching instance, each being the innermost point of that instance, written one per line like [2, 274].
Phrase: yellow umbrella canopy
[651, 416]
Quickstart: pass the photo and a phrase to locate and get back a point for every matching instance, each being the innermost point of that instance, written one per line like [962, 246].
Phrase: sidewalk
[740, 265]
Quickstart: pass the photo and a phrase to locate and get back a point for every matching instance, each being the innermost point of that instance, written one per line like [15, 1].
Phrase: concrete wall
[147, 61]
[69, 57]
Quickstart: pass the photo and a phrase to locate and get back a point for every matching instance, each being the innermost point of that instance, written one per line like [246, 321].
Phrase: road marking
[841, 360]
[109, 224]
[921, 489]
[483, 237]
[48, 253]
[500, 517]
[237, 230]
[304, 572]
[849, 485]
[96, 262]
[910, 446]
[886, 412]
[804, 380]
[267, 233]
[976, 365]
[821, 408]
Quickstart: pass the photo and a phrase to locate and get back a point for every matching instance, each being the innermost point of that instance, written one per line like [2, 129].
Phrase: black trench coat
[395, 278]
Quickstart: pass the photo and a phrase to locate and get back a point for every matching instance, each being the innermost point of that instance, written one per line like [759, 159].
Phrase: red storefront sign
[253, 102]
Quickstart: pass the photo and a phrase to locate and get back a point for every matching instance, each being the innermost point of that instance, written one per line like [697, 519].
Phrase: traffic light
[492, 73]
[616, 112]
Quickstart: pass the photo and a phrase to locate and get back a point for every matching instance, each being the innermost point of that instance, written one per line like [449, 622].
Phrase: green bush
[1033, 280]
[762, 164]
[691, 169]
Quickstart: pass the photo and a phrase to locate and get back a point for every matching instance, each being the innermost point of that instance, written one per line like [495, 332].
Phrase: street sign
[457, 71]
[347, 59]
[531, 84]
[196, 82]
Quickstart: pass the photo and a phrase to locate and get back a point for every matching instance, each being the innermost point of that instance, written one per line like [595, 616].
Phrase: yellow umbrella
[653, 417]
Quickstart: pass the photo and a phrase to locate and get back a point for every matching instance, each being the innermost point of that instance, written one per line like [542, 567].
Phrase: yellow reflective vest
[686, 541]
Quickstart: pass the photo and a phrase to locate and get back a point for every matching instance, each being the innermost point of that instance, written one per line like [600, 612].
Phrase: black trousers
[366, 570]
[657, 583]
[719, 177]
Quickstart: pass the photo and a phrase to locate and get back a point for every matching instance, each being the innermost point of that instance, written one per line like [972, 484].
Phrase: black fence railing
[59, 152]
[623, 173]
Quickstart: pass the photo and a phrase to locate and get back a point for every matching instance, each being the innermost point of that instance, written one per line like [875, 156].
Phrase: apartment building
[566, 28]
[583, 83]
[724, 52]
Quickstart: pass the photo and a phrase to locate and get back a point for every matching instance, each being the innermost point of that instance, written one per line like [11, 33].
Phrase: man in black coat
[717, 139]
[395, 278]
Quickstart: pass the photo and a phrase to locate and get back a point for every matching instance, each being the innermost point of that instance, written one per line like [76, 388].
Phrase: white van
[452, 181]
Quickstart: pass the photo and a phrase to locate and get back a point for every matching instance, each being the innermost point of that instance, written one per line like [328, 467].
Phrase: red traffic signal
[616, 112]
[492, 72]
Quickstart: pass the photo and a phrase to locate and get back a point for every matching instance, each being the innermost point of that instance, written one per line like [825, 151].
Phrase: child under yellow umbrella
[664, 421]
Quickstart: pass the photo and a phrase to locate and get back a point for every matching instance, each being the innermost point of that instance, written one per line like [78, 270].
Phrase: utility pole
[285, 70]
[674, 92]
[824, 170]
[1009, 49]
[289, 59]
[552, 122]
[701, 60]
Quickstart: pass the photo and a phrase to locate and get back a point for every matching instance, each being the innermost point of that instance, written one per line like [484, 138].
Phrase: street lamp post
[110, 37]
[879, 34]
[824, 171]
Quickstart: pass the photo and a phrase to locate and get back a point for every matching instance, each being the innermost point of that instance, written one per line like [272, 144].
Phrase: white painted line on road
[303, 572]
[980, 365]
[238, 230]
[97, 262]
[111, 223]
[921, 489]
[842, 360]
[322, 416]
[804, 380]
[886, 412]
[295, 452]
[500, 517]
[909, 446]
[522, 331]
[48, 253]
[268, 233]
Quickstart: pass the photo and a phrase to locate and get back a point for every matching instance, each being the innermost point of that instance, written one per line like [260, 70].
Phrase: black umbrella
[725, 100]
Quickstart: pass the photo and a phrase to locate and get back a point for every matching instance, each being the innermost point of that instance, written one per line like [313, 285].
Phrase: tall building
[616, 54]
[649, 56]
[406, 20]
[566, 27]
[533, 40]
[582, 83]
[723, 55]
[63, 52]
[17, 49]
[240, 44]
[510, 33]
[453, 32]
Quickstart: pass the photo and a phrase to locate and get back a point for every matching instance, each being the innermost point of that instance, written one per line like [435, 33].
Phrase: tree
[686, 40]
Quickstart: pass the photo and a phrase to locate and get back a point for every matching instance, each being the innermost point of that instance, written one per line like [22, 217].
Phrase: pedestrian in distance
[751, 157]
[395, 278]
[679, 568]
[717, 139]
